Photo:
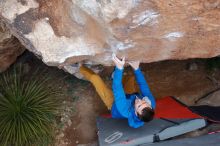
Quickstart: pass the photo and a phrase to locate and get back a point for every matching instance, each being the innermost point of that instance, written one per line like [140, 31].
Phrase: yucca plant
[28, 106]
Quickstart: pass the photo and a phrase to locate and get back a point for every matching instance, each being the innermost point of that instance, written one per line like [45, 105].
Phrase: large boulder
[10, 48]
[70, 31]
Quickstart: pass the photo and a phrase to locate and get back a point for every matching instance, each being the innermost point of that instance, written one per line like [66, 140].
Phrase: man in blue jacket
[137, 108]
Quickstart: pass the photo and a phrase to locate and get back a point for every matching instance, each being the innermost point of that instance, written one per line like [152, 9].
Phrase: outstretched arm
[118, 91]
[144, 88]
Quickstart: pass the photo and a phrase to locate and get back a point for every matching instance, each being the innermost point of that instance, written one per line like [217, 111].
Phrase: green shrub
[28, 107]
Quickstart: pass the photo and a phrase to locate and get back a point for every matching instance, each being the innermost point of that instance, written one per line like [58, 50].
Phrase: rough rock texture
[10, 47]
[69, 31]
[212, 100]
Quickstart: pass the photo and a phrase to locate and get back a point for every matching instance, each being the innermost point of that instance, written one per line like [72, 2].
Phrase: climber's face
[140, 104]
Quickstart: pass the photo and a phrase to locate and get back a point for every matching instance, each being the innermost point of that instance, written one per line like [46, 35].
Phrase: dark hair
[146, 115]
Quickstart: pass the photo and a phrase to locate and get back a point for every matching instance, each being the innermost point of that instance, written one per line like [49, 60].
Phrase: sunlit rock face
[69, 31]
[10, 48]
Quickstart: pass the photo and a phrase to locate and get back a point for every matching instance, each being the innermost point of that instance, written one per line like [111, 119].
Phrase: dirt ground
[187, 80]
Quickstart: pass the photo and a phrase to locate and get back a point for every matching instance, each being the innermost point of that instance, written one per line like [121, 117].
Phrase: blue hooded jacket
[123, 106]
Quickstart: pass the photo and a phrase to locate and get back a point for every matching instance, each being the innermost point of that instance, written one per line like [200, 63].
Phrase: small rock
[192, 66]
[60, 135]
[62, 119]
[69, 122]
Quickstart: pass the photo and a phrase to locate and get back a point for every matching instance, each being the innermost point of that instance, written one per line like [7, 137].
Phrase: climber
[125, 102]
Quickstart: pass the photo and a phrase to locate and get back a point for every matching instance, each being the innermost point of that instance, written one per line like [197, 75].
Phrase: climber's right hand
[119, 63]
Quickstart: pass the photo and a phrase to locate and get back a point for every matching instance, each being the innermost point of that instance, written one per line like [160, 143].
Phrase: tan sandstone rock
[10, 48]
[70, 31]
